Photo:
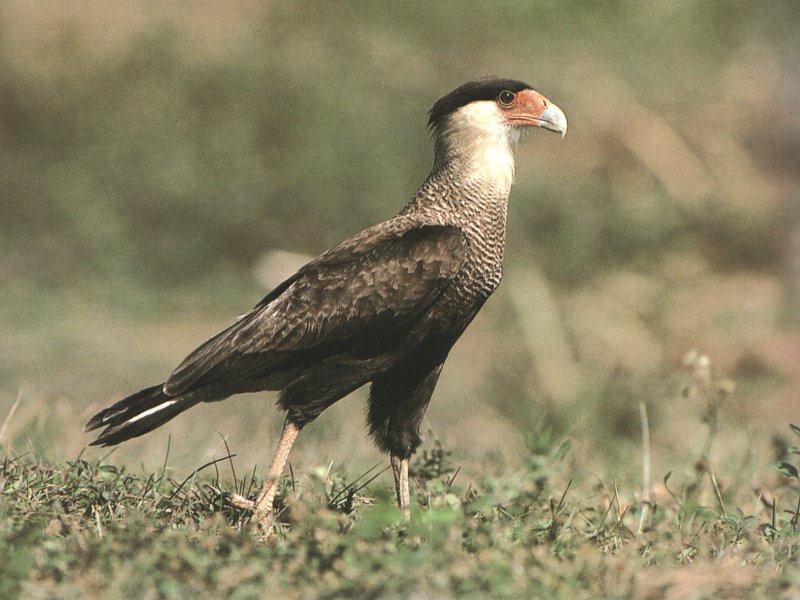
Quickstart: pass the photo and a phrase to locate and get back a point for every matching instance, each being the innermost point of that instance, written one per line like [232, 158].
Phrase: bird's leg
[400, 470]
[263, 506]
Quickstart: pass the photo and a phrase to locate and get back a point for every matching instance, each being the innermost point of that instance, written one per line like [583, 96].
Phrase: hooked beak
[533, 109]
[553, 119]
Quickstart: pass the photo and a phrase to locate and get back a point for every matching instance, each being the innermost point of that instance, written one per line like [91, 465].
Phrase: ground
[91, 529]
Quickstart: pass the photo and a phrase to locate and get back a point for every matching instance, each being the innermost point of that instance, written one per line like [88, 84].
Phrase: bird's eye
[506, 98]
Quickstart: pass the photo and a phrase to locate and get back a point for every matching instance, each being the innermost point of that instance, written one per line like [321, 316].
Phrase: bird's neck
[484, 156]
[460, 191]
[471, 177]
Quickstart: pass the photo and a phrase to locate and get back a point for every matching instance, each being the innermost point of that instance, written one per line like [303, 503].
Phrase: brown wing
[360, 295]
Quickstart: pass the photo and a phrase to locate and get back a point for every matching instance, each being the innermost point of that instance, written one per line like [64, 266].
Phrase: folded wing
[358, 297]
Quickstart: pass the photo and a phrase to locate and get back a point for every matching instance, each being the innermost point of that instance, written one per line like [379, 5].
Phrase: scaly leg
[400, 470]
[264, 505]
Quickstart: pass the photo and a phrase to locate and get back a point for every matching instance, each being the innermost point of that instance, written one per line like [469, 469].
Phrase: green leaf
[787, 469]
[731, 521]
[795, 428]
[376, 519]
[479, 505]
[439, 517]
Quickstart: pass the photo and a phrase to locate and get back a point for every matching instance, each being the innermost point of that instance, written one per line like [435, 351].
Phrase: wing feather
[364, 292]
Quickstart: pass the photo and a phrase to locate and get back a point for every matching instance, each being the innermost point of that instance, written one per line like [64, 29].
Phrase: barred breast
[480, 210]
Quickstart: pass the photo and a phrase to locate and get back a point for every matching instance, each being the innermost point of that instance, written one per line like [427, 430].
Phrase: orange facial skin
[530, 108]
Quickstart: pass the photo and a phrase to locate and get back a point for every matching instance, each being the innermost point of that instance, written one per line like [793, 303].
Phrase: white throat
[477, 140]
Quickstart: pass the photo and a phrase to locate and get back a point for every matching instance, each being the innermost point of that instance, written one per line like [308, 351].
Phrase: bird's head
[478, 122]
[495, 104]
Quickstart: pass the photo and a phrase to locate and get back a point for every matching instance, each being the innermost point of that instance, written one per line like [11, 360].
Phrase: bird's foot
[264, 520]
[263, 516]
[239, 501]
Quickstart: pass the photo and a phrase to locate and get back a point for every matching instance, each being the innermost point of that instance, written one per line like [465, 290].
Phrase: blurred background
[162, 167]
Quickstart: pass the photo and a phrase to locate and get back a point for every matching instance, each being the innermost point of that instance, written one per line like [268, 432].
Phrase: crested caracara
[382, 308]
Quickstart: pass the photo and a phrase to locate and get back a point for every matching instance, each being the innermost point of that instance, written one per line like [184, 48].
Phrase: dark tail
[137, 414]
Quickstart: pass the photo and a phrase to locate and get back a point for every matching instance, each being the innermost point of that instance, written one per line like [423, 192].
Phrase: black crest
[487, 88]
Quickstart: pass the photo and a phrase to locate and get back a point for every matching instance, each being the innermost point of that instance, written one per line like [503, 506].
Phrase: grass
[89, 528]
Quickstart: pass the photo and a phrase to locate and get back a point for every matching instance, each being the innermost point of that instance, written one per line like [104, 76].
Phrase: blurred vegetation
[150, 156]
[160, 159]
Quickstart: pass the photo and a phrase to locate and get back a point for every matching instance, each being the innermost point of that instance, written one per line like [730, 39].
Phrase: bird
[383, 307]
